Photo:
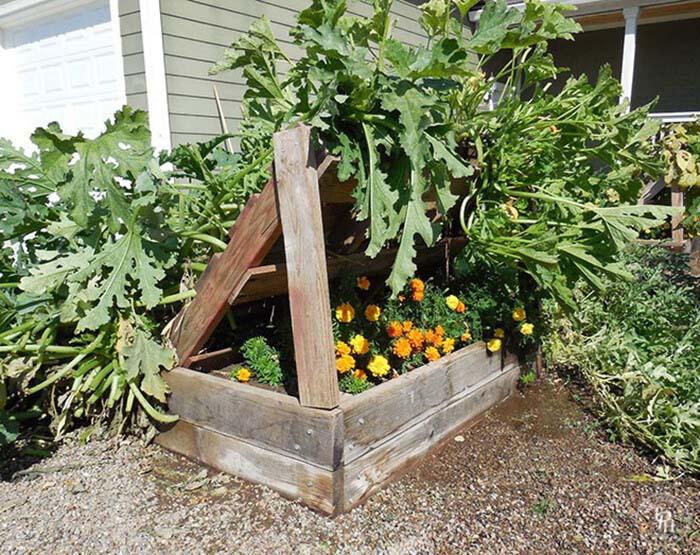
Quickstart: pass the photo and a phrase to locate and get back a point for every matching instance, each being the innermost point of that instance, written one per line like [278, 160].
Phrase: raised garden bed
[329, 450]
[333, 459]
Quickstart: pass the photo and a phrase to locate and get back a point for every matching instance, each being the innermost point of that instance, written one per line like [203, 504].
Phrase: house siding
[132, 53]
[195, 35]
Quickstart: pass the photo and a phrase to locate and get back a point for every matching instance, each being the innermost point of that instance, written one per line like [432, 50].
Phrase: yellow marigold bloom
[448, 345]
[345, 363]
[243, 375]
[379, 366]
[527, 328]
[363, 283]
[439, 330]
[342, 348]
[345, 313]
[372, 312]
[360, 345]
[498, 333]
[451, 301]
[417, 285]
[431, 353]
[407, 325]
[466, 336]
[418, 296]
[402, 348]
[461, 307]
[433, 337]
[494, 345]
[416, 338]
[394, 329]
[519, 314]
[360, 375]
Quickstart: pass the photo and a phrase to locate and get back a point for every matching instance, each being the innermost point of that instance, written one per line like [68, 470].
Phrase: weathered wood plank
[315, 486]
[677, 201]
[374, 469]
[255, 231]
[307, 276]
[270, 420]
[377, 413]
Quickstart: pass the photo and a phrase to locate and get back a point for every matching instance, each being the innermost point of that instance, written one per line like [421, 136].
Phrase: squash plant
[98, 241]
[550, 177]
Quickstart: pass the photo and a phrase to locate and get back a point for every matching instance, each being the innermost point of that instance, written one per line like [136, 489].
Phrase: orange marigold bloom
[417, 285]
[345, 363]
[402, 348]
[363, 283]
[416, 338]
[345, 313]
[439, 330]
[433, 337]
[407, 325]
[372, 312]
[359, 374]
[431, 353]
[466, 336]
[342, 348]
[461, 307]
[394, 329]
[418, 296]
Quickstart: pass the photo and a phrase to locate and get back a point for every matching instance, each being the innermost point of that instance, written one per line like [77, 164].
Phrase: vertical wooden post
[307, 275]
[676, 227]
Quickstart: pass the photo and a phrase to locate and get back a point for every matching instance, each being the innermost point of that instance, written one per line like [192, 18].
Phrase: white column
[629, 51]
[154, 64]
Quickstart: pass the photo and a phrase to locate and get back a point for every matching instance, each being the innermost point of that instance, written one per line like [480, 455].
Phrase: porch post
[629, 51]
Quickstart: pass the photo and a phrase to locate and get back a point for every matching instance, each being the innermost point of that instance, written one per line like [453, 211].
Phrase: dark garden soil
[535, 476]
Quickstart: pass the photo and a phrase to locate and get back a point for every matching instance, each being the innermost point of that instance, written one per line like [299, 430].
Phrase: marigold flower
[448, 345]
[372, 312]
[360, 345]
[431, 353]
[439, 330]
[494, 345]
[466, 336]
[415, 336]
[378, 366]
[345, 313]
[402, 348]
[519, 314]
[527, 328]
[402, 298]
[243, 375]
[451, 301]
[498, 333]
[417, 285]
[342, 348]
[394, 329]
[360, 375]
[345, 363]
[418, 296]
[407, 325]
[433, 337]
[363, 283]
[461, 307]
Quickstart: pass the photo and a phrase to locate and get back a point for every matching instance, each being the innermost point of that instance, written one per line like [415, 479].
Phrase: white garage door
[65, 68]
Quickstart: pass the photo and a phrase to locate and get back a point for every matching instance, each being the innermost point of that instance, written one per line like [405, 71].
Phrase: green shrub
[637, 346]
[263, 360]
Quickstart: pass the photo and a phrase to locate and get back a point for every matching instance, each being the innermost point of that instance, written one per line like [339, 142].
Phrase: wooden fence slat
[307, 275]
[676, 221]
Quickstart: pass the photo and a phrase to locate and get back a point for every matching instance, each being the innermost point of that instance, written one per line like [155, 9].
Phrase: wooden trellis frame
[329, 450]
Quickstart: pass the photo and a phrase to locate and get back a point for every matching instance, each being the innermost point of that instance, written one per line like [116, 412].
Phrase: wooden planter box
[333, 459]
[329, 450]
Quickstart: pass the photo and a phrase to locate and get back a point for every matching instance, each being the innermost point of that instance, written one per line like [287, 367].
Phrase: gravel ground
[535, 476]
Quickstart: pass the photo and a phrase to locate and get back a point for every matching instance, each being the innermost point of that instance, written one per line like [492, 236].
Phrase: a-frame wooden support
[290, 205]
